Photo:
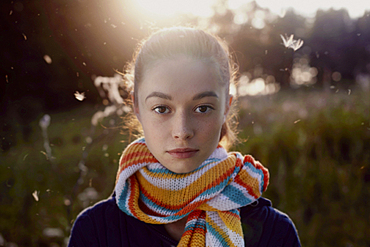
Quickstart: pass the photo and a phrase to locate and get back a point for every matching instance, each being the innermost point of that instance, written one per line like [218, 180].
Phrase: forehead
[181, 75]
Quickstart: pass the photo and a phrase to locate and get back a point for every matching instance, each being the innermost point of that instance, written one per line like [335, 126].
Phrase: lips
[183, 153]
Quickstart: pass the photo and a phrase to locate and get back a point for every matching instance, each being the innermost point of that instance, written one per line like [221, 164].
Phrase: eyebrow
[159, 95]
[196, 97]
[205, 94]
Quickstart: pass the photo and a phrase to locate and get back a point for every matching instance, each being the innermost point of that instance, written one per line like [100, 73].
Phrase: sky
[308, 8]
[355, 8]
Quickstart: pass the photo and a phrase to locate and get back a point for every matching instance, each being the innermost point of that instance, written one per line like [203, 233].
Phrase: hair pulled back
[194, 43]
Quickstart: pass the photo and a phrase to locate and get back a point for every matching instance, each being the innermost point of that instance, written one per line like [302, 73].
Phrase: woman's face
[181, 106]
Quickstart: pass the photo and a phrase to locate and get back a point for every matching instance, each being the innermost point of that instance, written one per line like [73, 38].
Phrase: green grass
[315, 145]
[26, 169]
[317, 148]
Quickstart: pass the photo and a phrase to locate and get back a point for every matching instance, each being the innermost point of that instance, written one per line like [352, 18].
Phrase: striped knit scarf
[210, 196]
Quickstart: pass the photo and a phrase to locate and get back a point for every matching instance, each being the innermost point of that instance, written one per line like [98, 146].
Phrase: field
[315, 144]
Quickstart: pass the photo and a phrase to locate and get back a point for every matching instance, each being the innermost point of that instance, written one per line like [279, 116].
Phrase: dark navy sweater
[104, 224]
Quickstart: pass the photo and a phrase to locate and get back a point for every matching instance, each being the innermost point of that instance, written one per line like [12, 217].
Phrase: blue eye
[203, 109]
[161, 109]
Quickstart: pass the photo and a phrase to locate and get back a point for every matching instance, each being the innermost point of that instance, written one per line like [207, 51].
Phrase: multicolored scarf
[210, 196]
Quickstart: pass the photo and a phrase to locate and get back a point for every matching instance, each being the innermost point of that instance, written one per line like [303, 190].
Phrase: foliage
[25, 170]
[316, 146]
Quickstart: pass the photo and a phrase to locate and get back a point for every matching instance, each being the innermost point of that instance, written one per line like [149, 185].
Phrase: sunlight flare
[168, 8]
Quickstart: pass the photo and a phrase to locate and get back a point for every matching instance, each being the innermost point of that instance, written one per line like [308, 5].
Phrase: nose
[182, 127]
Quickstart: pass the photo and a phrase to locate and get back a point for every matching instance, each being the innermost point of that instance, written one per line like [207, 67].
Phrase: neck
[176, 229]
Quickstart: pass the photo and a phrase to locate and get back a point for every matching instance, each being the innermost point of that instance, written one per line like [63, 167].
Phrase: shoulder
[104, 224]
[264, 225]
[87, 229]
[97, 213]
[96, 210]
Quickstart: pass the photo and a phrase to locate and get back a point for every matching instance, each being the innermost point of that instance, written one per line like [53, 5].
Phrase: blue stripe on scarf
[258, 171]
[213, 231]
[122, 200]
[235, 195]
[195, 224]
[164, 210]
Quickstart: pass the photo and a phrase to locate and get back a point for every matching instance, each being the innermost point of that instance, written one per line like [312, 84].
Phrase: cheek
[152, 128]
[211, 129]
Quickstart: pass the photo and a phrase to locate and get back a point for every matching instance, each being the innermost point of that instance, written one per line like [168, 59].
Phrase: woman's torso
[104, 224]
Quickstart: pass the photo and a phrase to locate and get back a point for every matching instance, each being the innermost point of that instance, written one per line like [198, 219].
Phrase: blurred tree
[256, 41]
[53, 48]
[248, 41]
[361, 35]
[332, 45]
[280, 59]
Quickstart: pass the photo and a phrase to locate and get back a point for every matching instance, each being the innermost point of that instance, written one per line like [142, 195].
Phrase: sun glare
[201, 8]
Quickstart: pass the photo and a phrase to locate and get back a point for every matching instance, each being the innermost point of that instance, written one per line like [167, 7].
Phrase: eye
[161, 109]
[203, 109]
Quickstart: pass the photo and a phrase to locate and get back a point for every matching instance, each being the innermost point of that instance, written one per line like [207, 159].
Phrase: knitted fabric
[210, 196]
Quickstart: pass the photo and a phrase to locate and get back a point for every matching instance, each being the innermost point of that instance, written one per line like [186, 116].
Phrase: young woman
[178, 186]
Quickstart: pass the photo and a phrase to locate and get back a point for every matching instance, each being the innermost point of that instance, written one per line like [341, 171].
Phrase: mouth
[183, 153]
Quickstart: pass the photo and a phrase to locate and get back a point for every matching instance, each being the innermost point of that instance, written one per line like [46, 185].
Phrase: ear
[135, 106]
[229, 101]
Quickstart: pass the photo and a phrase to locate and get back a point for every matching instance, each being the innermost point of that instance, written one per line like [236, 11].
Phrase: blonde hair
[193, 43]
